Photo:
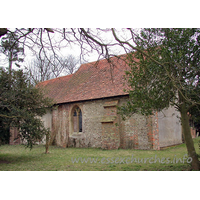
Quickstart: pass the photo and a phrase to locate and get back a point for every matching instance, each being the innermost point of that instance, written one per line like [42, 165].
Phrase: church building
[85, 111]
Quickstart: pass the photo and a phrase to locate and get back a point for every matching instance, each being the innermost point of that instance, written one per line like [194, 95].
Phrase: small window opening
[77, 120]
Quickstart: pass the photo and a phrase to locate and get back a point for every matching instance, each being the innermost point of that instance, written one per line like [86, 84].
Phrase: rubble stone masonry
[102, 127]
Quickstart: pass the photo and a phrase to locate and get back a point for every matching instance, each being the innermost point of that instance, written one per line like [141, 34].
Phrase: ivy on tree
[165, 71]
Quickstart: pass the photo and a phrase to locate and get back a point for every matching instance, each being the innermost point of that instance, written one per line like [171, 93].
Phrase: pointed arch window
[77, 120]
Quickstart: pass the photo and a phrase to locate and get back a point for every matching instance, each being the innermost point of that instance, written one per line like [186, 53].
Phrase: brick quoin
[13, 135]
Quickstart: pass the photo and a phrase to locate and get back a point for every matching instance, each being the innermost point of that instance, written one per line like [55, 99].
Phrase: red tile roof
[91, 81]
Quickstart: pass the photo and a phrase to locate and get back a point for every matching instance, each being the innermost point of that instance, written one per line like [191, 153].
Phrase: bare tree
[70, 63]
[41, 68]
[42, 41]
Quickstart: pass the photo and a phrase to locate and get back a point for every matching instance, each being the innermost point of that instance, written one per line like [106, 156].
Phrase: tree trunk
[10, 61]
[10, 67]
[47, 143]
[188, 137]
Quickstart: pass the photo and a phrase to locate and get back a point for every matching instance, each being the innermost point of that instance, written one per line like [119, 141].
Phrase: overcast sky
[102, 13]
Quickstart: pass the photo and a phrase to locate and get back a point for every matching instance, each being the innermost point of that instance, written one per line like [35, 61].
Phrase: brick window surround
[77, 120]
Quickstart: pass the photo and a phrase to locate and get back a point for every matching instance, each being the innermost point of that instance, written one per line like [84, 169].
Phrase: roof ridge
[113, 56]
[88, 82]
[84, 64]
[56, 78]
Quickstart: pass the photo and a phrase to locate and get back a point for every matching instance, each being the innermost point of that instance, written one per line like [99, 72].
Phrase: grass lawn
[18, 158]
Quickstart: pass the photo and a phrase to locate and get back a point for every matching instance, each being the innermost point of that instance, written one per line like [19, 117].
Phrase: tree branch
[10, 117]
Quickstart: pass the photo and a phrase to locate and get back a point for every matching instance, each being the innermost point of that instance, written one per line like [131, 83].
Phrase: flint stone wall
[102, 127]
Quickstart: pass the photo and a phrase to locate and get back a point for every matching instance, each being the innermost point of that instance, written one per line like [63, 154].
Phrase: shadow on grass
[15, 159]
